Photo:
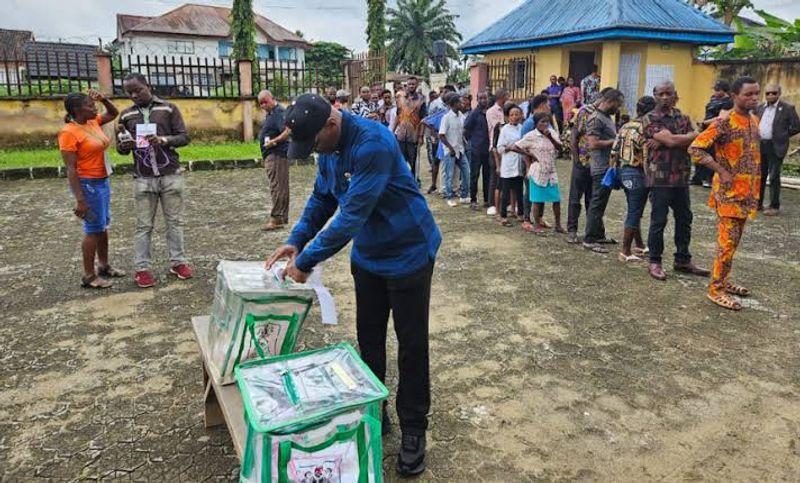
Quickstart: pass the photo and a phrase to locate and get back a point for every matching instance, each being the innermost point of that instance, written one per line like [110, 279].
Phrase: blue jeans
[636, 194]
[97, 194]
[463, 165]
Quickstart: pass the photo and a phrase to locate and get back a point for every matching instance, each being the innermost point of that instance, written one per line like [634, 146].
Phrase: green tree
[376, 25]
[325, 60]
[727, 10]
[413, 27]
[243, 30]
[777, 38]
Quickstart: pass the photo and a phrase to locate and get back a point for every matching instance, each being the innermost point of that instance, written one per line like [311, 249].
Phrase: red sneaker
[182, 271]
[144, 278]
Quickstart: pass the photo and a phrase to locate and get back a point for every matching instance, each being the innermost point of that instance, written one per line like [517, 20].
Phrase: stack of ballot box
[255, 315]
[311, 416]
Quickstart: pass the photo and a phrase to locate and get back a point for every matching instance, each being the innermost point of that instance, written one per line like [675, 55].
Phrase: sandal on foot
[628, 258]
[545, 224]
[540, 231]
[95, 282]
[505, 223]
[607, 241]
[640, 251]
[110, 272]
[734, 289]
[725, 301]
[594, 247]
[560, 229]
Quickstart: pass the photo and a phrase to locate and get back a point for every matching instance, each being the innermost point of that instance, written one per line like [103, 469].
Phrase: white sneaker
[452, 202]
[491, 211]
[464, 201]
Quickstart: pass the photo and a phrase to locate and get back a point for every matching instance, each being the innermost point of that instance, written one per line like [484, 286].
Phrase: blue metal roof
[540, 23]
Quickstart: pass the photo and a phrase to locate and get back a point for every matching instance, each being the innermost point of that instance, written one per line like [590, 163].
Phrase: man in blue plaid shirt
[363, 174]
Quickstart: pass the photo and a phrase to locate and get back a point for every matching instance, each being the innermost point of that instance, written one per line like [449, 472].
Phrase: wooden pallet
[223, 404]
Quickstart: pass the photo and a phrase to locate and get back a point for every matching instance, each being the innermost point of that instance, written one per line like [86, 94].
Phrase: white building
[202, 31]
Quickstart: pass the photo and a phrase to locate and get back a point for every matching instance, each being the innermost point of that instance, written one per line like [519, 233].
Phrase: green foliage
[243, 30]
[777, 38]
[376, 25]
[325, 59]
[458, 74]
[413, 27]
[726, 10]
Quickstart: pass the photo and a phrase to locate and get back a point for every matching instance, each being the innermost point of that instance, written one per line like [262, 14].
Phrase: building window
[518, 70]
[287, 53]
[265, 52]
[180, 47]
[225, 47]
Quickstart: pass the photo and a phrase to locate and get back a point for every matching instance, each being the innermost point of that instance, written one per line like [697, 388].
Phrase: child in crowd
[511, 164]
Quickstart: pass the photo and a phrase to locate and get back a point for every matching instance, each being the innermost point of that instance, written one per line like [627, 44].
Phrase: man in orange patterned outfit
[736, 186]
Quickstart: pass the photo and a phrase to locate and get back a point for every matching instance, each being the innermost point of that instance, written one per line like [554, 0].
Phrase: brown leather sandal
[734, 289]
[725, 301]
[96, 282]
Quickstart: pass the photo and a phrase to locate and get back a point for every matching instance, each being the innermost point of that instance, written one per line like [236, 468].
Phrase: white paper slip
[327, 305]
[142, 131]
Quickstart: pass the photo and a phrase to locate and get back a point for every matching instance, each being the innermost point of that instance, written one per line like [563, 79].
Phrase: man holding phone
[151, 129]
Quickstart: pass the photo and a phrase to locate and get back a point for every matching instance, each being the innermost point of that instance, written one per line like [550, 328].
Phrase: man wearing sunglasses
[779, 122]
[273, 140]
[363, 174]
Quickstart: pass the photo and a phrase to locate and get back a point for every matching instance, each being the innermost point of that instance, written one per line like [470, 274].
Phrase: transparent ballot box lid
[254, 315]
[300, 388]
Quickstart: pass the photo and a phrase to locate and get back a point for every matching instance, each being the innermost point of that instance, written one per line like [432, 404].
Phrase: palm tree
[413, 27]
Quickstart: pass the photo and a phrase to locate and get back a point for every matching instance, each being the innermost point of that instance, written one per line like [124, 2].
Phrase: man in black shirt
[476, 132]
[273, 141]
[720, 101]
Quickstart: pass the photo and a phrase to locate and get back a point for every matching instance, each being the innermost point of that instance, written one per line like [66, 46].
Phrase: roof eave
[696, 38]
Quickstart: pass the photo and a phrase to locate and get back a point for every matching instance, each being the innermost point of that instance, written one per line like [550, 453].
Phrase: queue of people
[648, 157]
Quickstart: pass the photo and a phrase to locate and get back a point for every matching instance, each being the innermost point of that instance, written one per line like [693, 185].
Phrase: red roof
[202, 21]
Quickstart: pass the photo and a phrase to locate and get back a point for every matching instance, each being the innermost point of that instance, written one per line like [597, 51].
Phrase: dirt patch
[548, 362]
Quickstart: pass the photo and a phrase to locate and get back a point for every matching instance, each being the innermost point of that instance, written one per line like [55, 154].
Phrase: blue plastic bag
[612, 179]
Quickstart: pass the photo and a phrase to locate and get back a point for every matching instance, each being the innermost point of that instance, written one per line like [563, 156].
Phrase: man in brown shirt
[409, 129]
[157, 174]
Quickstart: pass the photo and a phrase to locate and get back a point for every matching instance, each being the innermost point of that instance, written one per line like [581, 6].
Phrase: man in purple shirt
[554, 91]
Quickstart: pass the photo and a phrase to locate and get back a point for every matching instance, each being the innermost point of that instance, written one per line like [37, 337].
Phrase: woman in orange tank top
[83, 147]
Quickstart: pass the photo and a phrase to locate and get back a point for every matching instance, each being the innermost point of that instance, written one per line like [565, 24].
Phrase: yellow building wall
[547, 61]
[36, 122]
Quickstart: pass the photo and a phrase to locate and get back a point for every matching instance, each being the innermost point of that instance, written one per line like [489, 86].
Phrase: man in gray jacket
[779, 122]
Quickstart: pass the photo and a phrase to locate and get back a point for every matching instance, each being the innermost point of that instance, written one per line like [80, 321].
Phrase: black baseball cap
[306, 117]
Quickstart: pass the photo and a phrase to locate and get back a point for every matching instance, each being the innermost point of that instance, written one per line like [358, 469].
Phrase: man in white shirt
[451, 133]
[779, 122]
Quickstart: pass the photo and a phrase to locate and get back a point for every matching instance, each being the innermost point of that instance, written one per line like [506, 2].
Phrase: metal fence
[34, 74]
[288, 79]
[517, 75]
[180, 76]
[365, 69]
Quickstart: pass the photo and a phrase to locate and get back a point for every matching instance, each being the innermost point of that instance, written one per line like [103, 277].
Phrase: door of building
[580, 65]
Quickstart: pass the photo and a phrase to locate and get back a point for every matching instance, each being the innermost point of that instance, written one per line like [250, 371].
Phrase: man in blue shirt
[476, 132]
[362, 172]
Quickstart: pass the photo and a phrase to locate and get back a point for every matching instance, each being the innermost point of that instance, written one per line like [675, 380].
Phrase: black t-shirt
[273, 125]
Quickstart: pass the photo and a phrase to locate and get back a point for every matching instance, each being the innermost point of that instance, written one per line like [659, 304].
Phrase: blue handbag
[612, 179]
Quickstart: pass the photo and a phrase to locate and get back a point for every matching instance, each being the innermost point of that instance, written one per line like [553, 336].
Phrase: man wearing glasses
[273, 140]
[778, 123]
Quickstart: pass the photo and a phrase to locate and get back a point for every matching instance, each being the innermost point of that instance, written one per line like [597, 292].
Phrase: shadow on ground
[548, 362]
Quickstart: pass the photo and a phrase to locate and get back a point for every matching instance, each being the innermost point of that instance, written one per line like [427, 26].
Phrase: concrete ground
[548, 362]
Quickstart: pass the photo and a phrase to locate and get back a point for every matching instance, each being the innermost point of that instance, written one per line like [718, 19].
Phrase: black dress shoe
[411, 460]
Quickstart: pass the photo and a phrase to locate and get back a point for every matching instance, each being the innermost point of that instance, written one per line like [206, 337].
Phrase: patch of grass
[26, 158]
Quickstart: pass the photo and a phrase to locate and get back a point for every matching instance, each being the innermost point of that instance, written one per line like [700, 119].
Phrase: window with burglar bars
[37, 74]
[180, 76]
[515, 74]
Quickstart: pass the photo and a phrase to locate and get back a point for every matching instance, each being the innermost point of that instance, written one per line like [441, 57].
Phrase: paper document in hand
[142, 131]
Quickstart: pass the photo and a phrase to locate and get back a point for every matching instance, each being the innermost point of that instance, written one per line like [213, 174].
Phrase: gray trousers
[147, 193]
[278, 175]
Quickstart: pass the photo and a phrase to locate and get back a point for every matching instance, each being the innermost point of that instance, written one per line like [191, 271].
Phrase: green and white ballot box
[311, 417]
[255, 315]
